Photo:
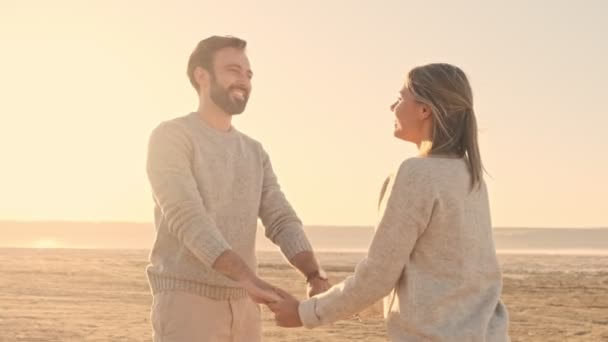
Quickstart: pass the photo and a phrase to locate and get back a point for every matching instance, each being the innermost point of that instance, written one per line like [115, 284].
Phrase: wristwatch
[320, 273]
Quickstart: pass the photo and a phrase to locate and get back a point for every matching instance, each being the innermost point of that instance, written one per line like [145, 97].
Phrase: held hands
[281, 303]
[286, 310]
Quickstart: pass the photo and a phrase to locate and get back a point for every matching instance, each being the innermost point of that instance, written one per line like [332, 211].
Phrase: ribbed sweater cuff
[160, 283]
[207, 246]
[308, 314]
[294, 243]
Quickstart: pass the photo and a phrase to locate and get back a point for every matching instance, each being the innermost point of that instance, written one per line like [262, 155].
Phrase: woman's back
[450, 287]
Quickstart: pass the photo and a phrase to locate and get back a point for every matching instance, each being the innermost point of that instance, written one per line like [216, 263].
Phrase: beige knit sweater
[209, 188]
[432, 259]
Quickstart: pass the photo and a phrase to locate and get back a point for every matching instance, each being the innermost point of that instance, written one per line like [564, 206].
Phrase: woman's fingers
[274, 307]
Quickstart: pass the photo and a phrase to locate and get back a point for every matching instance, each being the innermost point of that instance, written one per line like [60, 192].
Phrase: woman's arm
[405, 212]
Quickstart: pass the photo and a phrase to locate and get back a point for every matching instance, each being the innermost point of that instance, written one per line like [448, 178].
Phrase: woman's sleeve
[405, 212]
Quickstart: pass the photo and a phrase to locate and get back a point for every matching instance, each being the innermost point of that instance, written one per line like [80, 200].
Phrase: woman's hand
[286, 310]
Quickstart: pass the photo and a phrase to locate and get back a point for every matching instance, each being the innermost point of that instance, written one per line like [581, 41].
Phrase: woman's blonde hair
[446, 90]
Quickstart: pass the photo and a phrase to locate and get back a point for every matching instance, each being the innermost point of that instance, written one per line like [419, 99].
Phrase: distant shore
[126, 235]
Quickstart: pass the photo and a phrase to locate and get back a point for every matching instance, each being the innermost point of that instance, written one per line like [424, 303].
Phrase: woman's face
[409, 117]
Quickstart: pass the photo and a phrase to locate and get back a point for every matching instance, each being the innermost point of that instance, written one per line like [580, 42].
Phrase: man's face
[230, 81]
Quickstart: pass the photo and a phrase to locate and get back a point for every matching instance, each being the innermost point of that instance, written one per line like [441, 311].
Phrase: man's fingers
[264, 297]
[273, 298]
[284, 294]
[270, 296]
[257, 299]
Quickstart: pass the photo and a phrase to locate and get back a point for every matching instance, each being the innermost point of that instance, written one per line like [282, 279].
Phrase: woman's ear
[425, 111]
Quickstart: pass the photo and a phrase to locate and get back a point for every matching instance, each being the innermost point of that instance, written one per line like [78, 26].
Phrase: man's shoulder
[177, 125]
[178, 121]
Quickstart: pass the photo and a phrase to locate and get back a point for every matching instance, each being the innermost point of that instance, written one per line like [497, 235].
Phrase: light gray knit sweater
[432, 258]
[209, 188]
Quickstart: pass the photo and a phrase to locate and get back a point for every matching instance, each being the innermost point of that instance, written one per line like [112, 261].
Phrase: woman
[432, 257]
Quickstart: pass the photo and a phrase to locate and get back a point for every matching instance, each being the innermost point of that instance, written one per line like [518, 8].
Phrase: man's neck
[215, 117]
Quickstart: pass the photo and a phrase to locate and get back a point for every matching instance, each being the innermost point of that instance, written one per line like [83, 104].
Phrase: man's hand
[260, 291]
[231, 265]
[316, 286]
[286, 310]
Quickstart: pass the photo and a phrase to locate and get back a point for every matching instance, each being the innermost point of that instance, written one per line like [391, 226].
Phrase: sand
[102, 295]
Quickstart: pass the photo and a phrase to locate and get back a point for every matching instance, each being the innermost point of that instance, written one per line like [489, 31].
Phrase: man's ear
[202, 78]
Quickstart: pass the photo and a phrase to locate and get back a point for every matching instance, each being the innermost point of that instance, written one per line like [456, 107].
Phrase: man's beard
[221, 97]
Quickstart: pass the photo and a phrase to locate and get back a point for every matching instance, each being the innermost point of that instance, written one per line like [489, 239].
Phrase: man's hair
[205, 50]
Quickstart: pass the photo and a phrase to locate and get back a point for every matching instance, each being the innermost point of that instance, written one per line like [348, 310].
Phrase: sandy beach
[102, 295]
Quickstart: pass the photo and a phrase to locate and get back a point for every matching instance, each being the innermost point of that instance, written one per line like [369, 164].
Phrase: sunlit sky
[83, 83]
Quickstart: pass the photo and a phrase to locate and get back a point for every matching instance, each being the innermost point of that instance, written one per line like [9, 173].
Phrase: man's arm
[176, 192]
[307, 264]
[232, 266]
[284, 228]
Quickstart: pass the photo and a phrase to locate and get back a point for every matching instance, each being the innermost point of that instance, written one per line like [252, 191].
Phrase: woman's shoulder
[431, 164]
[411, 172]
[423, 169]
[415, 166]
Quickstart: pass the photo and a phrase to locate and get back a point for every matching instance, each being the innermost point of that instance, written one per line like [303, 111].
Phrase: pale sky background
[83, 83]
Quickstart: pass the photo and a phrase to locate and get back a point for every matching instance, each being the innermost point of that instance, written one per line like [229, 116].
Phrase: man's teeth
[239, 95]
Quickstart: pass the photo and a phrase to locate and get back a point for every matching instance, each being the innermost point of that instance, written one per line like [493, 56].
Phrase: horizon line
[69, 221]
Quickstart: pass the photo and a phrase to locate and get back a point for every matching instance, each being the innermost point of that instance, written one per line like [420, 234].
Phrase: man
[210, 184]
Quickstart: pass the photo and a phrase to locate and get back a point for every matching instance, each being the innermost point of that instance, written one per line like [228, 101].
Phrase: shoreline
[352, 251]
